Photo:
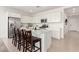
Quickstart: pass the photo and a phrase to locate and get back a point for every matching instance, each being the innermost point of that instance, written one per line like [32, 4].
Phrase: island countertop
[45, 36]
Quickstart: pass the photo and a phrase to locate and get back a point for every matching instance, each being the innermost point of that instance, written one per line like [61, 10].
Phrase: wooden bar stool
[14, 40]
[31, 41]
[21, 40]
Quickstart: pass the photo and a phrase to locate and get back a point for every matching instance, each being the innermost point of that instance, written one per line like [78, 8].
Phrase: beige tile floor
[3, 48]
[10, 46]
[69, 44]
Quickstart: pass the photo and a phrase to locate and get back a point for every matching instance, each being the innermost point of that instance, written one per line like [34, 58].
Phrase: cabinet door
[54, 17]
[26, 19]
[36, 19]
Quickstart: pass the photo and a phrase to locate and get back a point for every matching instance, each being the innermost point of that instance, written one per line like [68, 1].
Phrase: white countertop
[45, 35]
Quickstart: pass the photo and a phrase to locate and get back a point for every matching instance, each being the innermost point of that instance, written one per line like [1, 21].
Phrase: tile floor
[69, 44]
[3, 47]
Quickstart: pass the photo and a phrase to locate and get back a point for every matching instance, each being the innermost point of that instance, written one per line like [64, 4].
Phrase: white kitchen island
[45, 36]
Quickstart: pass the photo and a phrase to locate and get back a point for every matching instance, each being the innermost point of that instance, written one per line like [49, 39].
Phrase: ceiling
[33, 9]
[72, 11]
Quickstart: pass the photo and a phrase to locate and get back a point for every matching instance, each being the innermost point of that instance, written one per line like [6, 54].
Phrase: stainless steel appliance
[13, 22]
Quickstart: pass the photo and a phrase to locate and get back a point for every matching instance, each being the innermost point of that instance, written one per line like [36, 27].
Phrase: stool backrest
[28, 35]
[19, 33]
[23, 34]
[15, 32]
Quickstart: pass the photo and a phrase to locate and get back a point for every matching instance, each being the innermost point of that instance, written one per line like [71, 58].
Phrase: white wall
[73, 23]
[3, 23]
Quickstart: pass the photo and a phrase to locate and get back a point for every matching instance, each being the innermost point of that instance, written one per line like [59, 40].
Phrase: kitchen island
[45, 36]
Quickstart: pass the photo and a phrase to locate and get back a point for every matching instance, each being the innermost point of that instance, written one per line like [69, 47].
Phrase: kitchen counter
[45, 36]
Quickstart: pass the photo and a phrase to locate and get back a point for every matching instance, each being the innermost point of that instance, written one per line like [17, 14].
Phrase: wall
[3, 23]
[73, 23]
[55, 21]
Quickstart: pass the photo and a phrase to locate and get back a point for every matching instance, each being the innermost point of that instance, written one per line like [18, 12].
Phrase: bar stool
[31, 41]
[21, 40]
[14, 40]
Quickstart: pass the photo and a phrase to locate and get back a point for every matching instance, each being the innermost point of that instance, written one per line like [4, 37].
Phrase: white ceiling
[33, 9]
[72, 11]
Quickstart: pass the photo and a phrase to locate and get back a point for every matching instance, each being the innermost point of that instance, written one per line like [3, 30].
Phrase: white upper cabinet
[37, 19]
[51, 16]
[54, 17]
[26, 19]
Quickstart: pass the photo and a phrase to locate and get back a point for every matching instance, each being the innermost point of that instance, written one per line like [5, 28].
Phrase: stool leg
[26, 46]
[15, 43]
[31, 46]
[23, 46]
[34, 46]
[23, 49]
[19, 46]
[12, 40]
[40, 45]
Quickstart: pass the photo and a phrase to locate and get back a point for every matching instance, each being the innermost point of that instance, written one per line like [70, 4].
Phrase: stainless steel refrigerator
[13, 22]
